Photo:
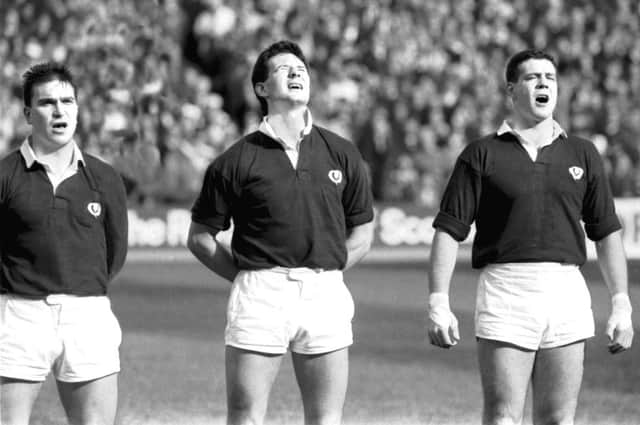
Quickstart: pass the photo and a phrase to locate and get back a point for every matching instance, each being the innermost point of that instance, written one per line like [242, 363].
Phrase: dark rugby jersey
[285, 216]
[71, 242]
[528, 211]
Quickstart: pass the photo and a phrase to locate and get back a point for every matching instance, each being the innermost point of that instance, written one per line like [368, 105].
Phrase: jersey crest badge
[335, 176]
[576, 172]
[95, 209]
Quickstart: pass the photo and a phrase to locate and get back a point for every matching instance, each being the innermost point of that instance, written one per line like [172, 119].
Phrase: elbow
[367, 244]
[366, 241]
[193, 244]
[201, 243]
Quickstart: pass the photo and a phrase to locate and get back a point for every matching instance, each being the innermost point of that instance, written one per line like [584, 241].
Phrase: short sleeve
[357, 198]
[212, 207]
[460, 201]
[598, 209]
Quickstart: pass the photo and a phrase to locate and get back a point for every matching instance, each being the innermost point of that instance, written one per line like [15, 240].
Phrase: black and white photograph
[319, 212]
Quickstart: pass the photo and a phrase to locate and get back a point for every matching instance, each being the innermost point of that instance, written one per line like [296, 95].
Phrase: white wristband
[439, 310]
[621, 302]
[438, 299]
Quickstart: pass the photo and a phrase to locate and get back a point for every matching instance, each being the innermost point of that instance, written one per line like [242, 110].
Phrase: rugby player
[301, 205]
[527, 187]
[63, 238]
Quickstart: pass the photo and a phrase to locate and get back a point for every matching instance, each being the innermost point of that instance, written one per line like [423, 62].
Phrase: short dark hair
[261, 68]
[513, 65]
[43, 73]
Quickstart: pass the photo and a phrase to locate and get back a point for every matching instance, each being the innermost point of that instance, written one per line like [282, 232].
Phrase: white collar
[558, 131]
[266, 128]
[30, 156]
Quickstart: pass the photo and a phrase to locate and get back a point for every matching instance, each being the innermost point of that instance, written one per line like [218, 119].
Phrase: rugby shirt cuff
[448, 223]
[602, 229]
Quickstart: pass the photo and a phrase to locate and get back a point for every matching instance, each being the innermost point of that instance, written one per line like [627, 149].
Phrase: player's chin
[540, 116]
[299, 96]
[60, 139]
[543, 109]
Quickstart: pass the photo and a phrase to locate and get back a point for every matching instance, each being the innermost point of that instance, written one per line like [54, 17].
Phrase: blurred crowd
[165, 84]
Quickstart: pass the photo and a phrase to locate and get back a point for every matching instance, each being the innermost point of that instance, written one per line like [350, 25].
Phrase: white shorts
[75, 337]
[302, 309]
[533, 305]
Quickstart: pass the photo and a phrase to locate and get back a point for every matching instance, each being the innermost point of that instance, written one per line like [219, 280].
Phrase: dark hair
[261, 68]
[513, 65]
[43, 73]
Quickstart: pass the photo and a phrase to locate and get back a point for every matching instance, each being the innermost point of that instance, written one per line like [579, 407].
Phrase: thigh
[249, 377]
[323, 382]
[257, 311]
[510, 307]
[91, 336]
[569, 322]
[505, 371]
[16, 400]
[91, 402]
[557, 378]
[29, 340]
[316, 331]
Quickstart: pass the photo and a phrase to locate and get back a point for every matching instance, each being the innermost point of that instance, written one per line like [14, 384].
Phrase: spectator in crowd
[408, 58]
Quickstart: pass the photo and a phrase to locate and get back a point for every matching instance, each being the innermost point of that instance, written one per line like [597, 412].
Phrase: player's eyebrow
[46, 100]
[289, 67]
[539, 74]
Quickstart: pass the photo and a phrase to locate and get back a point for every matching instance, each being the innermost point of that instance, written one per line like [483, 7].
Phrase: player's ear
[260, 89]
[27, 114]
[510, 87]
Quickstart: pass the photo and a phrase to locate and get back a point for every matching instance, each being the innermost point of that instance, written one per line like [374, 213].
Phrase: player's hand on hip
[619, 326]
[442, 325]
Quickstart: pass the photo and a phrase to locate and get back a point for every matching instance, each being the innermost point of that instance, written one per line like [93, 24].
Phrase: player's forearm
[613, 263]
[358, 243]
[444, 252]
[212, 254]
[216, 259]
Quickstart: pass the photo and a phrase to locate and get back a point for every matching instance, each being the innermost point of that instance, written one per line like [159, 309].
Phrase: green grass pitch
[172, 317]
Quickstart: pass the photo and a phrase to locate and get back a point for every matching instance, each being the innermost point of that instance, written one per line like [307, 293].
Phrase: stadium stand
[164, 84]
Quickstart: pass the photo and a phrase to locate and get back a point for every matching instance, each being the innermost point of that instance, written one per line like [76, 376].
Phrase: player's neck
[57, 158]
[535, 133]
[289, 124]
